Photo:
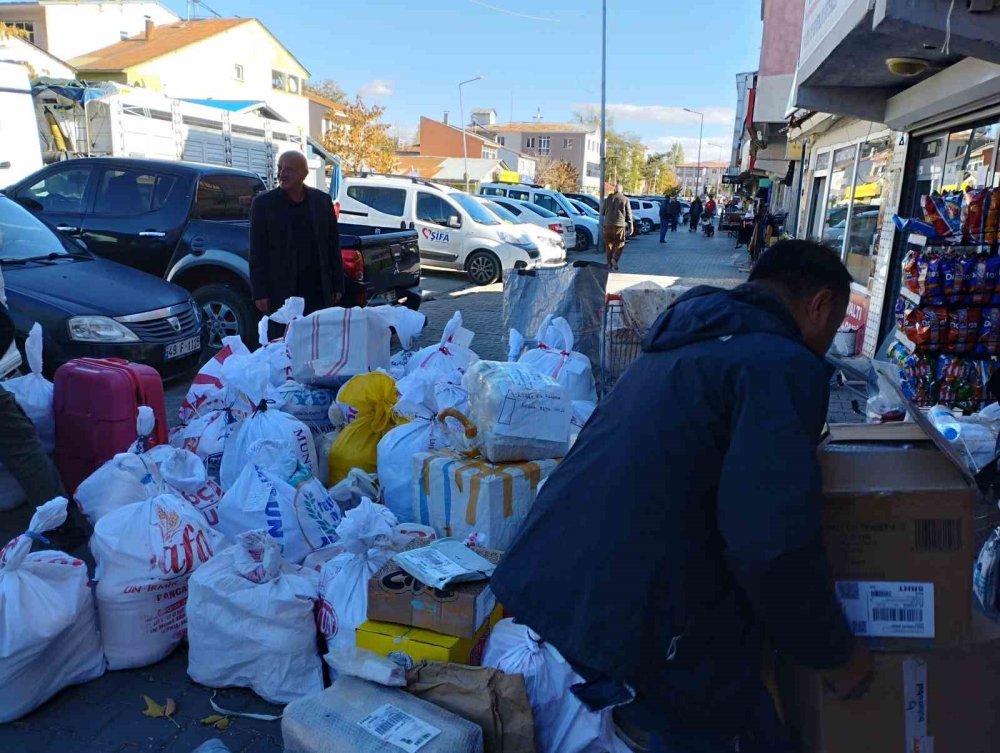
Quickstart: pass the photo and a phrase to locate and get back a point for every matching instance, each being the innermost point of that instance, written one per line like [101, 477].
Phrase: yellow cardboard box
[387, 638]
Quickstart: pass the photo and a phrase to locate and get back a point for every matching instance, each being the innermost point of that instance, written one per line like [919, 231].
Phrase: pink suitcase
[96, 401]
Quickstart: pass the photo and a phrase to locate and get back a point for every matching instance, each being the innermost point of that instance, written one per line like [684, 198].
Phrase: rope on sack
[36, 536]
[946, 47]
[246, 715]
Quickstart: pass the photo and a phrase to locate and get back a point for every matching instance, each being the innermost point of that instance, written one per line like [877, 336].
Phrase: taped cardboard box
[899, 530]
[460, 496]
[460, 609]
[416, 644]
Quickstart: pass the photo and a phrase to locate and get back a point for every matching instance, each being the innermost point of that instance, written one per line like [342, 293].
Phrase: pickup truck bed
[391, 265]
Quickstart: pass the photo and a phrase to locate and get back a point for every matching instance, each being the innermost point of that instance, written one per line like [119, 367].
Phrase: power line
[513, 12]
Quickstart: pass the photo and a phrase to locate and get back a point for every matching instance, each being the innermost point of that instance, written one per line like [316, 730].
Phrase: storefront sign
[509, 176]
[818, 21]
[857, 315]
[730, 180]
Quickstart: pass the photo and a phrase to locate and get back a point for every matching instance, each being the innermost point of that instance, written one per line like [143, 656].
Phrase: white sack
[366, 535]
[125, 479]
[207, 438]
[33, 391]
[277, 493]
[310, 405]
[451, 354]
[48, 625]
[334, 343]
[185, 475]
[250, 623]
[145, 553]
[562, 723]
[358, 485]
[408, 325]
[556, 358]
[208, 389]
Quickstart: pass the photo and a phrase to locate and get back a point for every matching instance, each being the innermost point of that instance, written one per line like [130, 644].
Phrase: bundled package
[275, 353]
[277, 493]
[208, 389]
[556, 358]
[357, 485]
[127, 478]
[184, 474]
[265, 423]
[250, 622]
[207, 437]
[145, 554]
[310, 405]
[562, 723]
[373, 397]
[451, 354]
[335, 343]
[364, 717]
[33, 391]
[421, 402]
[48, 626]
[408, 325]
[518, 413]
[461, 497]
[366, 536]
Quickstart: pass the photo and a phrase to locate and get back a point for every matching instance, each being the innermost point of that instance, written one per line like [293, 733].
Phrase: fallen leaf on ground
[170, 707]
[153, 709]
[216, 720]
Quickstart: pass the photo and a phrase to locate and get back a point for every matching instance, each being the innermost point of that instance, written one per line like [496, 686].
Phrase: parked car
[550, 243]
[537, 216]
[189, 224]
[588, 228]
[645, 214]
[586, 209]
[546, 198]
[585, 198]
[92, 307]
[863, 227]
[455, 231]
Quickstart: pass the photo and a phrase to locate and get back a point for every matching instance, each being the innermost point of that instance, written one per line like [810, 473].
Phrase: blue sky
[663, 55]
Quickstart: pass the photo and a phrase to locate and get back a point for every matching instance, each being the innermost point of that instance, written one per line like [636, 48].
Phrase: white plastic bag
[275, 353]
[582, 411]
[145, 553]
[556, 358]
[450, 355]
[48, 626]
[408, 325]
[422, 401]
[33, 391]
[125, 479]
[519, 413]
[208, 389]
[324, 442]
[265, 423]
[207, 437]
[185, 475]
[275, 492]
[366, 534]
[358, 485]
[334, 343]
[562, 723]
[310, 405]
[250, 623]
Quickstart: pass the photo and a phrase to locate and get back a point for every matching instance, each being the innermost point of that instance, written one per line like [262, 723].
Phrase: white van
[543, 197]
[456, 231]
[20, 149]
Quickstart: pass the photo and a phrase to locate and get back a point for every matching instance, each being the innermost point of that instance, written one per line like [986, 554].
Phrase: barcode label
[937, 535]
[391, 725]
[888, 609]
[432, 561]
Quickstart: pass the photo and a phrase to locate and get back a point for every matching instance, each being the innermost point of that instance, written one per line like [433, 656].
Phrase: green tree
[675, 155]
[361, 140]
[327, 88]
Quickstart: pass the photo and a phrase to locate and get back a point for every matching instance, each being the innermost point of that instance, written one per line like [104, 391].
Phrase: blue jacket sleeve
[770, 507]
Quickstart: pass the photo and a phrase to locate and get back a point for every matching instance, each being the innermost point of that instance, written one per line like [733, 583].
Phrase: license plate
[182, 348]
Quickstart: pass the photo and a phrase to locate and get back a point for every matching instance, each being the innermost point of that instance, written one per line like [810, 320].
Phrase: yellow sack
[373, 396]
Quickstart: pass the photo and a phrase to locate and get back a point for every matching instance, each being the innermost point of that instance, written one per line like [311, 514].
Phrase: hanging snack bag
[927, 327]
[933, 215]
[916, 374]
[952, 280]
[911, 270]
[989, 335]
[991, 224]
[949, 206]
[931, 290]
[972, 215]
[963, 329]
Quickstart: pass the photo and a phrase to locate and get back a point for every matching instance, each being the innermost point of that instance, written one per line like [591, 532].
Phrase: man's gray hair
[295, 154]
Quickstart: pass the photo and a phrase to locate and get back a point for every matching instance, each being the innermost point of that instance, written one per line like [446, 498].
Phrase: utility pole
[461, 114]
[701, 130]
[604, 114]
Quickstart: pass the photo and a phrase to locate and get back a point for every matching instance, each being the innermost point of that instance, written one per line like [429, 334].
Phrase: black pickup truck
[188, 223]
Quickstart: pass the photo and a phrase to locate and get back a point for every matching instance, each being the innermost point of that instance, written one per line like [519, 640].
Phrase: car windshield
[23, 236]
[502, 213]
[476, 210]
[541, 211]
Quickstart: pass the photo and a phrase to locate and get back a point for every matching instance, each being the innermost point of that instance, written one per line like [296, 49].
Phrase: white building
[578, 144]
[68, 29]
[35, 60]
[707, 177]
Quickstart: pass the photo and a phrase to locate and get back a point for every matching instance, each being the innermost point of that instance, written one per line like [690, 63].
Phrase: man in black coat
[294, 242]
[683, 528]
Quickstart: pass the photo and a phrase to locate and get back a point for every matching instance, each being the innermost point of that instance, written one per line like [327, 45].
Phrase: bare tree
[328, 88]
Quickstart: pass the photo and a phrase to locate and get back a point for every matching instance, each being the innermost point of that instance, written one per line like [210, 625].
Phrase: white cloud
[663, 114]
[376, 88]
[713, 148]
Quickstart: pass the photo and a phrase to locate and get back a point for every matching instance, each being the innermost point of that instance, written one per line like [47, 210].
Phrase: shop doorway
[816, 207]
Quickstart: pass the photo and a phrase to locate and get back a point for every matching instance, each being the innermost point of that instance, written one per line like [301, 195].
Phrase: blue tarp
[232, 105]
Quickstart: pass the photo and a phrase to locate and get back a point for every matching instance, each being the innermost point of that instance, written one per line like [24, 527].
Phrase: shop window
[868, 213]
[822, 161]
[841, 185]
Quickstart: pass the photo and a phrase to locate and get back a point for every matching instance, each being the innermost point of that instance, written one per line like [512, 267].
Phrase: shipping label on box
[459, 496]
[885, 609]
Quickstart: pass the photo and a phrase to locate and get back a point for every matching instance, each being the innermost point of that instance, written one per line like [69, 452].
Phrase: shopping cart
[620, 343]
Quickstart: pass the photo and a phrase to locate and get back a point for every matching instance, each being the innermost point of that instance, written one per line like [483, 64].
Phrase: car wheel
[483, 268]
[646, 225]
[226, 312]
[583, 239]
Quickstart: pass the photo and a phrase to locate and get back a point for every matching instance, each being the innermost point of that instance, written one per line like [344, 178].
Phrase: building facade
[70, 29]
[707, 177]
[580, 145]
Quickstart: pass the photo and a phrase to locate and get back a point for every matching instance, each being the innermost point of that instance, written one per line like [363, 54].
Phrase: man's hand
[853, 679]
[263, 305]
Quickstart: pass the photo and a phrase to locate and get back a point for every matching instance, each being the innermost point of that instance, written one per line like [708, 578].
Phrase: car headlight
[100, 329]
[521, 241]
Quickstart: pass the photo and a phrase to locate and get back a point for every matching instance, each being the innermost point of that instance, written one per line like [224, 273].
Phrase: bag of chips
[963, 329]
[991, 224]
[972, 215]
[927, 327]
[930, 289]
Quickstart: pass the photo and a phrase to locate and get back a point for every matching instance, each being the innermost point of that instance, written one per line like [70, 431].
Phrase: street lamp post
[604, 117]
[701, 130]
[461, 114]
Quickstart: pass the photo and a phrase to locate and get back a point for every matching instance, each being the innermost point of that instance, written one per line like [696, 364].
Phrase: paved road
[105, 716]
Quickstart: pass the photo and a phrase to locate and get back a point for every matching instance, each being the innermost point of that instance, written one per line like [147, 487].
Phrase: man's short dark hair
[802, 269]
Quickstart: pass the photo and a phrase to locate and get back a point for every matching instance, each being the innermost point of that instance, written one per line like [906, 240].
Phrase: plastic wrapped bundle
[362, 717]
[518, 412]
[555, 357]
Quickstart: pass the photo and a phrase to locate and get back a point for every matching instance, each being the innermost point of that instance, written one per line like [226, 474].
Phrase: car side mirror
[455, 221]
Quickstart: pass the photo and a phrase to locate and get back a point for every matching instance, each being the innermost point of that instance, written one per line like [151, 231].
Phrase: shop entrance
[816, 207]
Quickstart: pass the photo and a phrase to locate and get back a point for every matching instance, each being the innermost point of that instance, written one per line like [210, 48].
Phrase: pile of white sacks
[280, 494]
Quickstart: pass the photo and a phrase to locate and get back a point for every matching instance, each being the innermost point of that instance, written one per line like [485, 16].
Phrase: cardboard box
[460, 610]
[899, 528]
[939, 701]
[458, 496]
[387, 638]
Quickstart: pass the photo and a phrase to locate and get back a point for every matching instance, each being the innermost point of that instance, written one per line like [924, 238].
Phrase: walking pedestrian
[710, 206]
[694, 214]
[664, 217]
[294, 242]
[676, 210]
[618, 225]
[699, 542]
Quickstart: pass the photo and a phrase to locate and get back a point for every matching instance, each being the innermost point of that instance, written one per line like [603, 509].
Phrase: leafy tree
[327, 88]
[559, 174]
[361, 140]
[675, 155]
[658, 175]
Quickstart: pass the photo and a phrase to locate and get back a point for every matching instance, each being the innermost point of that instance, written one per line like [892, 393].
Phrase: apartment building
[578, 144]
[707, 177]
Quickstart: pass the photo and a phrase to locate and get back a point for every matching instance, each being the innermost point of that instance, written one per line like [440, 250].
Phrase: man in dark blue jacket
[684, 526]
